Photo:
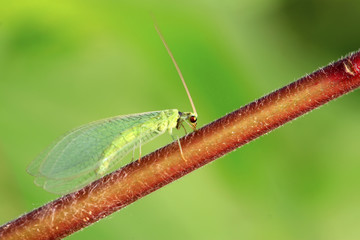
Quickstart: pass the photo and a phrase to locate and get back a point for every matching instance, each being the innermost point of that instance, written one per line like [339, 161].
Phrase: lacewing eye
[193, 119]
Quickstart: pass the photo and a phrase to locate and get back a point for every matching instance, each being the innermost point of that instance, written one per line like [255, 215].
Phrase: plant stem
[99, 199]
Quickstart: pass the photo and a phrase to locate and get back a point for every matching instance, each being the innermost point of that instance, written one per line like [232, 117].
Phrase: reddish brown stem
[99, 199]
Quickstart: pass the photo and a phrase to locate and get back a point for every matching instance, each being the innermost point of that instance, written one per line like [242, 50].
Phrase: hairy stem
[99, 199]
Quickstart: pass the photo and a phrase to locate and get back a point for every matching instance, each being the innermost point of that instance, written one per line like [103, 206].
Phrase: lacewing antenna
[176, 66]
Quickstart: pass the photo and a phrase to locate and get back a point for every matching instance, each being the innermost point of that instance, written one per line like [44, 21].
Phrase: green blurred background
[66, 63]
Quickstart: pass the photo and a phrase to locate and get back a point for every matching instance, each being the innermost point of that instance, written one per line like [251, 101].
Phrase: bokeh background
[66, 63]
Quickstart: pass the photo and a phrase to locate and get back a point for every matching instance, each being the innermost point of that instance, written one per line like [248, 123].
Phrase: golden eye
[193, 119]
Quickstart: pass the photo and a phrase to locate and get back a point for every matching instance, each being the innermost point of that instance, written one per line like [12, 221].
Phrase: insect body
[88, 152]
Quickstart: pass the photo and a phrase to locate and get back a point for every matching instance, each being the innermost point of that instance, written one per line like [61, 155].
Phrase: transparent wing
[65, 185]
[70, 162]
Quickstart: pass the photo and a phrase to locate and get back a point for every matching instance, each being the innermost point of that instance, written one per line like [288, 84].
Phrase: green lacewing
[89, 151]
